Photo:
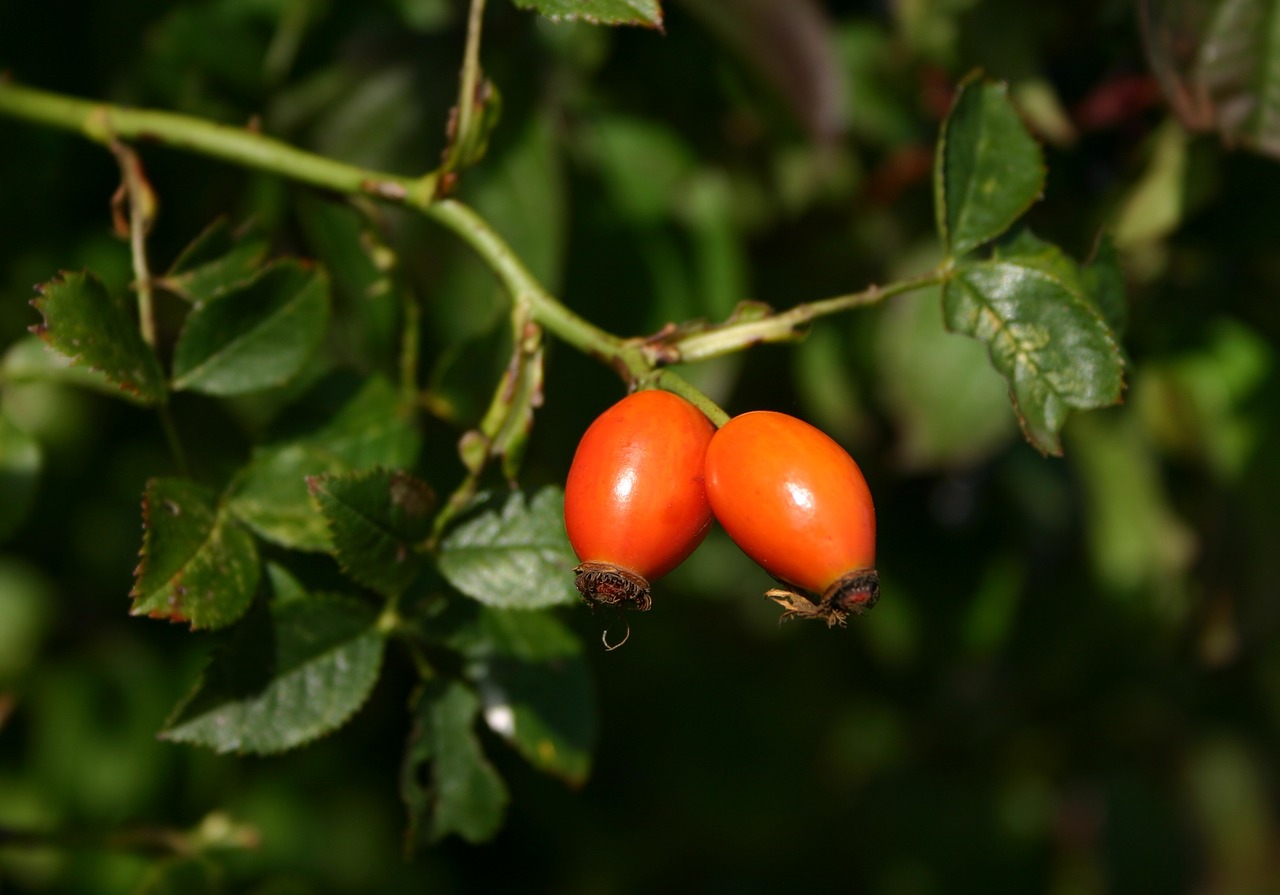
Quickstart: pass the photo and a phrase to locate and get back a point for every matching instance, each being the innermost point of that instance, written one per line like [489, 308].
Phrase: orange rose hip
[797, 504]
[635, 502]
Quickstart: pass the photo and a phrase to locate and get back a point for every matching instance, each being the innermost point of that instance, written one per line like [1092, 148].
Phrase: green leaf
[282, 585]
[1103, 280]
[1156, 204]
[943, 394]
[599, 12]
[535, 687]
[215, 263]
[198, 565]
[1137, 542]
[85, 324]
[644, 165]
[988, 169]
[285, 677]
[1043, 334]
[196, 875]
[270, 494]
[376, 518]
[516, 558]
[1216, 64]
[368, 291]
[462, 793]
[20, 463]
[30, 360]
[1199, 405]
[257, 337]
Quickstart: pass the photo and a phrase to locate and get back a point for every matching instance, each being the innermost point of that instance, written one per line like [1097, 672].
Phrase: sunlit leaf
[1044, 335]
[599, 12]
[517, 556]
[198, 564]
[285, 677]
[93, 329]
[446, 782]
[988, 168]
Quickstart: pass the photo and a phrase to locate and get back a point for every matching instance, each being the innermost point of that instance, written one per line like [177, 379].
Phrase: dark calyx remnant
[852, 594]
[602, 584]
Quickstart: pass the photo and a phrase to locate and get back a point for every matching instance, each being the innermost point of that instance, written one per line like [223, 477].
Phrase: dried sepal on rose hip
[797, 504]
[635, 503]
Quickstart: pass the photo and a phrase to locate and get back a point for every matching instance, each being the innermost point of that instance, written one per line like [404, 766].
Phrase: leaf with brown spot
[375, 519]
[93, 329]
[198, 564]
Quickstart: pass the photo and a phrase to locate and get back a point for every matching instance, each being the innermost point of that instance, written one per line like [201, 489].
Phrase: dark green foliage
[377, 520]
[298, 673]
[349, 435]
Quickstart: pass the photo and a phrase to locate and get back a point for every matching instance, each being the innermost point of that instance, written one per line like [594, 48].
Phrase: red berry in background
[635, 503]
[797, 504]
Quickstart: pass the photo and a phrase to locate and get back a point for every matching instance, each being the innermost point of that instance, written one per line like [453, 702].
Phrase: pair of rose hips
[652, 470]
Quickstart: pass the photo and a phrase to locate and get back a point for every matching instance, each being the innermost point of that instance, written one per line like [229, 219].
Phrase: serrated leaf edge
[166, 732]
[641, 20]
[182, 382]
[317, 483]
[221, 515]
[1055, 448]
[41, 330]
[978, 78]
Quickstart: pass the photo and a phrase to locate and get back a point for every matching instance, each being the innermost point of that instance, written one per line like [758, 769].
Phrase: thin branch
[103, 123]
[637, 361]
[463, 122]
[780, 327]
[140, 200]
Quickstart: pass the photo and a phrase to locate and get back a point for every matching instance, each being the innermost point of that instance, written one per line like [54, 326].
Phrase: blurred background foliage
[1072, 683]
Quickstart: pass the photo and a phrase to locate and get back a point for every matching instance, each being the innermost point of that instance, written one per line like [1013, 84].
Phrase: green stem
[140, 199]
[783, 326]
[215, 831]
[638, 361]
[468, 85]
[671, 382]
[103, 122]
[523, 286]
